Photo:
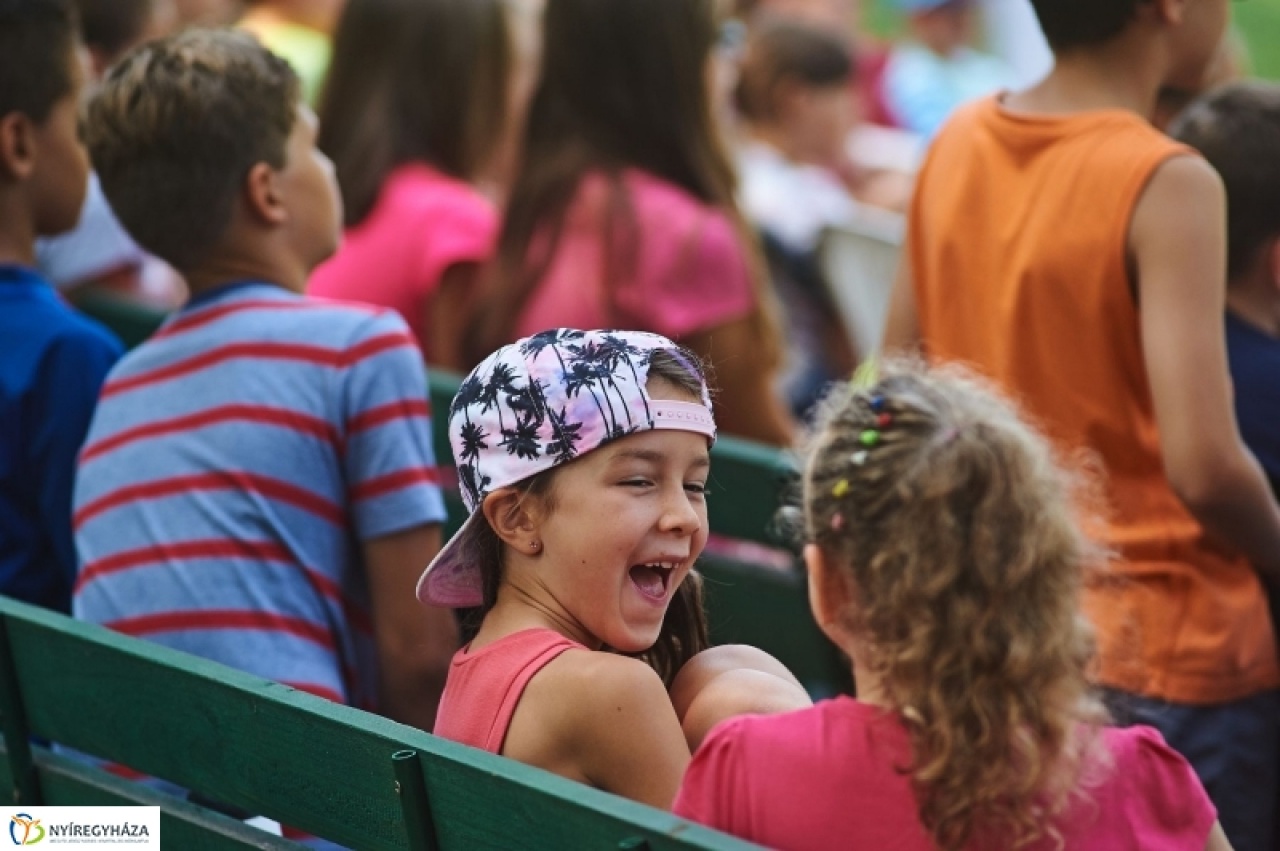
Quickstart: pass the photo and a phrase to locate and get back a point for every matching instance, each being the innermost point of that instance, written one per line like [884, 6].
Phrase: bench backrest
[330, 770]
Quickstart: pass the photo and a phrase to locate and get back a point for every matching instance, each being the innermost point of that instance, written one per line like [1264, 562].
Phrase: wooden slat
[769, 609]
[259, 746]
[130, 321]
[567, 815]
[747, 485]
[70, 782]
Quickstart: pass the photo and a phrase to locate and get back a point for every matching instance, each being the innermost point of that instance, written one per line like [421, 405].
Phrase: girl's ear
[509, 515]
[830, 597]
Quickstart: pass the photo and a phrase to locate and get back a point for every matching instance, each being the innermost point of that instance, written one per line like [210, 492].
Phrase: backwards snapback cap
[536, 404]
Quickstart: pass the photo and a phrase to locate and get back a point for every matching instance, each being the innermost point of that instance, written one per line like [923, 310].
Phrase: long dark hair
[414, 80]
[623, 85]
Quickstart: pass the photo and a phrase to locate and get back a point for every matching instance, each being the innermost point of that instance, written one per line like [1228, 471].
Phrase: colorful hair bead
[837, 522]
[870, 437]
[884, 420]
[841, 490]
[859, 458]
[877, 403]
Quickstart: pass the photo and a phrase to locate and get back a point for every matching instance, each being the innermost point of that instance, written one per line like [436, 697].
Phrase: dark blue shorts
[1233, 747]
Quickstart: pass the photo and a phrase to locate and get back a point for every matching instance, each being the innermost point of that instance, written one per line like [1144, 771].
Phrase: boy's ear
[509, 515]
[17, 146]
[1169, 11]
[830, 596]
[262, 195]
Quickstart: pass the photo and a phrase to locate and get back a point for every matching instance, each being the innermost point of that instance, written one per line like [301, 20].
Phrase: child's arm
[730, 680]
[1177, 241]
[415, 644]
[1217, 839]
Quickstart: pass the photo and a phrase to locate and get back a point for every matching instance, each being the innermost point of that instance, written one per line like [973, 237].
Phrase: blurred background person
[98, 255]
[623, 214]
[413, 116]
[936, 69]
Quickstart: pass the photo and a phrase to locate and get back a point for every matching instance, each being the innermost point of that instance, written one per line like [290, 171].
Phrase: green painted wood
[130, 321]
[25, 785]
[566, 815]
[418, 818]
[769, 608]
[68, 782]
[749, 481]
[309, 763]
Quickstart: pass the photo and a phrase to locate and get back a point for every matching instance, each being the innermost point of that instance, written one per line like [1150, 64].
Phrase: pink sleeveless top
[484, 687]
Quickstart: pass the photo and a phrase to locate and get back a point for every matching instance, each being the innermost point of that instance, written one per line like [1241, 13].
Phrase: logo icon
[29, 826]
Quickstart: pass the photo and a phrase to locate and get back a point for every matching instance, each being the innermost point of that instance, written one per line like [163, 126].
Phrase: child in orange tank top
[1062, 246]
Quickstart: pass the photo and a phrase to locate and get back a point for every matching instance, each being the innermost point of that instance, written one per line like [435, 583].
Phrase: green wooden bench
[332, 771]
[130, 321]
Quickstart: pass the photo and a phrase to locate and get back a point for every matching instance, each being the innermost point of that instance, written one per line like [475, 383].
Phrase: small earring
[533, 545]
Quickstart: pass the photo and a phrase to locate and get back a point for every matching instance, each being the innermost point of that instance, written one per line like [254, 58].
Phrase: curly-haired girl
[946, 558]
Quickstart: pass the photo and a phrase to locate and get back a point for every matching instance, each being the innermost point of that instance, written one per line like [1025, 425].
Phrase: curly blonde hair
[962, 539]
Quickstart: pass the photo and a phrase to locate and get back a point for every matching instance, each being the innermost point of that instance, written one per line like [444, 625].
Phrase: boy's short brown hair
[175, 129]
[37, 38]
[1237, 129]
[1083, 23]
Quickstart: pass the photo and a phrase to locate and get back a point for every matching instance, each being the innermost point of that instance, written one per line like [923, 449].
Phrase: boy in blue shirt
[52, 361]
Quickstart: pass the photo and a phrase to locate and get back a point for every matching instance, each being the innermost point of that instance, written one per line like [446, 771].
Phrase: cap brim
[453, 578]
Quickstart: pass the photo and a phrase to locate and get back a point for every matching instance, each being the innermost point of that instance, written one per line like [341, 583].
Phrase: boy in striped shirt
[258, 485]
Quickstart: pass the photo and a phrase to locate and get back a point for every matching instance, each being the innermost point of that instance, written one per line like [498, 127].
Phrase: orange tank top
[1018, 242]
[484, 687]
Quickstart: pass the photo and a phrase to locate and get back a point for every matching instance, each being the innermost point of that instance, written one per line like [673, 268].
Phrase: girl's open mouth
[652, 580]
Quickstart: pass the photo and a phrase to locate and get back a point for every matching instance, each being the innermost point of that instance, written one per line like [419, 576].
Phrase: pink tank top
[484, 687]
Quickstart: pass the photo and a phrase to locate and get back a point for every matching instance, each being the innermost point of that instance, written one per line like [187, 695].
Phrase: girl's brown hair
[684, 629]
[623, 85]
[962, 539]
[414, 80]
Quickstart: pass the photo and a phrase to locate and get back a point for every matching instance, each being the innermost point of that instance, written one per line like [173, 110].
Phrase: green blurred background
[1258, 21]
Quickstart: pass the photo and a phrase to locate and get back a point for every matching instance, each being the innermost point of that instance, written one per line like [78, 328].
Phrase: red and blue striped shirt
[236, 462]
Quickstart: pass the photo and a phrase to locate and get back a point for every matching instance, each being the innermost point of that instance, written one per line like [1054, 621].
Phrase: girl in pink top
[947, 560]
[413, 116]
[583, 457]
[622, 214]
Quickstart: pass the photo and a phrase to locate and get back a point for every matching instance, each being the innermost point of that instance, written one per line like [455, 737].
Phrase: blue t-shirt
[1254, 358]
[52, 365]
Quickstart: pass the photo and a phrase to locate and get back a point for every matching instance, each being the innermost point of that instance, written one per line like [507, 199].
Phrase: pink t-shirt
[690, 271]
[826, 777]
[484, 687]
[422, 223]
